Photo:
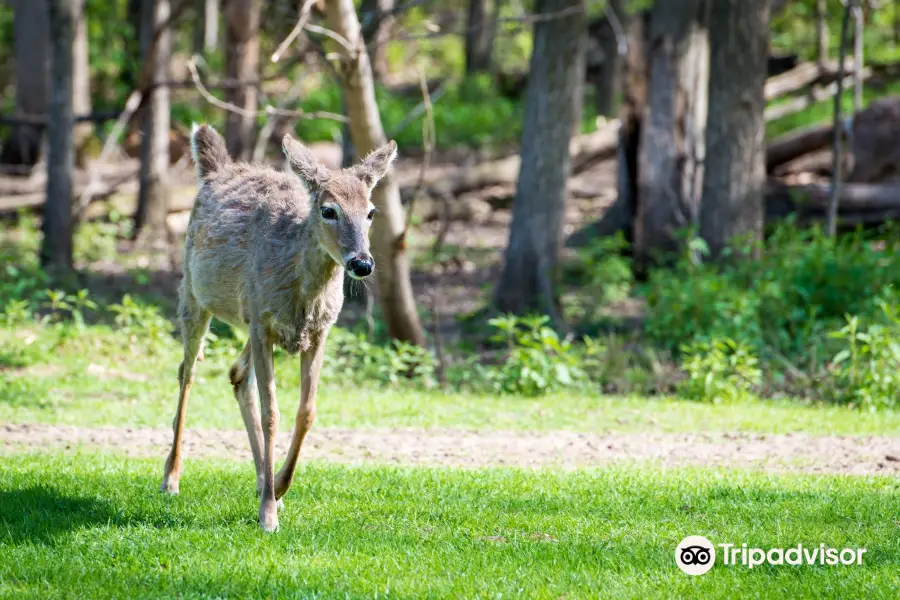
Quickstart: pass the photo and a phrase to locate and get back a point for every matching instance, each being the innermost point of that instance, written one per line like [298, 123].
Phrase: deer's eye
[329, 214]
[371, 214]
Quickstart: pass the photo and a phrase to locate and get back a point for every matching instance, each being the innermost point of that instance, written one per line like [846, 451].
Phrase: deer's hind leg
[194, 324]
[243, 378]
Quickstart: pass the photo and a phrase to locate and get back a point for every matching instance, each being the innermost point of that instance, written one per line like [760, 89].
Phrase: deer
[266, 251]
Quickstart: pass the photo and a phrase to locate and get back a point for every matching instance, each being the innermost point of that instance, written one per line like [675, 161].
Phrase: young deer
[266, 250]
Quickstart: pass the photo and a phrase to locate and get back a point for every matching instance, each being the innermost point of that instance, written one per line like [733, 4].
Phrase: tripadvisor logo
[696, 555]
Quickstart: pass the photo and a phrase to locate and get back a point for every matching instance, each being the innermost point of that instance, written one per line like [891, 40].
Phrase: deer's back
[244, 226]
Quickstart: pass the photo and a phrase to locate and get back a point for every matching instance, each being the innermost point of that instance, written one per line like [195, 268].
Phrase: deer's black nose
[361, 266]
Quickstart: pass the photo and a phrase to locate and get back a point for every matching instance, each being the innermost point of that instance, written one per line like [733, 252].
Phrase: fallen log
[859, 204]
[586, 150]
[802, 76]
[107, 198]
[792, 145]
[801, 103]
[814, 197]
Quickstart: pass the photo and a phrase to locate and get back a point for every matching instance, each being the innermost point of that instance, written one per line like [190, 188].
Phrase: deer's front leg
[261, 347]
[310, 366]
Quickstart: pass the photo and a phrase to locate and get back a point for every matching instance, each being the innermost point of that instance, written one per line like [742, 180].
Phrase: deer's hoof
[268, 518]
[169, 487]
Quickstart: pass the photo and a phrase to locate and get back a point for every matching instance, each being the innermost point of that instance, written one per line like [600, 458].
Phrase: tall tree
[153, 197]
[552, 104]
[206, 29]
[242, 64]
[607, 84]
[735, 171]
[481, 26]
[31, 29]
[395, 294]
[81, 100]
[56, 248]
[673, 137]
[377, 20]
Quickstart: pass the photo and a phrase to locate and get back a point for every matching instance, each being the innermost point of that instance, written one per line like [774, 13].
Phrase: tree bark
[153, 198]
[81, 100]
[395, 293]
[241, 63]
[480, 30]
[735, 171]
[822, 31]
[377, 24]
[552, 103]
[206, 29]
[673, 137]
[609, 77]
[56, 248]
[31, 29]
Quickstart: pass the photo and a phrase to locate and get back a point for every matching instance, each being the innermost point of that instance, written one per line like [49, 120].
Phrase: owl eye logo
[695, 555]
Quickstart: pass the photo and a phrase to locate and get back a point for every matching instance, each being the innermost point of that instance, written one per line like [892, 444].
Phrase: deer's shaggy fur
[266, 251]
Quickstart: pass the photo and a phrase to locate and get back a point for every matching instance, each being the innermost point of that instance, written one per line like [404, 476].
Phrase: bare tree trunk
[858, 59]
[241, 63]
[81, 101]
[206, 29]
[153, 198]
[56, 249]
[388, 242]
[822, 31]
[609, 77]
[480, 30]
[631, 116]
[377, 24]
[735, 170]
[837, 150]
[673, 138]
[31, 29]
[552, 102]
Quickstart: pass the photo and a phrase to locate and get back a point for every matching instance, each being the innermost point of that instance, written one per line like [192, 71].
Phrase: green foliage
[142, 322]
[351, 359]
[605, 271]
[470, 112]
[538, 361]
[789, 299]
[866, 371]
[717, 371]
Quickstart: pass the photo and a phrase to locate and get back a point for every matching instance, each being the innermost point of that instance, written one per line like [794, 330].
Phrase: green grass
[91, 379]
[94, 526]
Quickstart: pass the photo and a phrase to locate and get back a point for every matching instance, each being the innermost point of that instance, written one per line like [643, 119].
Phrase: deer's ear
[304, 163]
[376, 164]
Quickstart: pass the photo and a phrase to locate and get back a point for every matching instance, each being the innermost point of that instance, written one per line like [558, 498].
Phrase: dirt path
[445, 447]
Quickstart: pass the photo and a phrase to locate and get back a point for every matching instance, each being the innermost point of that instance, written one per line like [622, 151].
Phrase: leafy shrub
[537, 360]
[721, 370]
[605, 271]
[141, 321]
[789, 299]
[351, 359]
[866, 371]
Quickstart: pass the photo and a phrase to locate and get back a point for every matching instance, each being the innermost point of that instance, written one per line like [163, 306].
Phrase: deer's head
[341, 209]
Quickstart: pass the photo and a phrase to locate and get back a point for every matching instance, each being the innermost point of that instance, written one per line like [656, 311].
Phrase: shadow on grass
[40, 514]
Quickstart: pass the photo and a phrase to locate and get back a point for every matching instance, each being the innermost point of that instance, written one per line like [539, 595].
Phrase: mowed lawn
[92, 379]
[91, 525]
[94, 526]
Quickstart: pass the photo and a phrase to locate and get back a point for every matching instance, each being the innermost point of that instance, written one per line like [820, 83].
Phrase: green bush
[717, 371]
[537, 359]
[866, 371]
[801, 287]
